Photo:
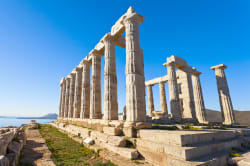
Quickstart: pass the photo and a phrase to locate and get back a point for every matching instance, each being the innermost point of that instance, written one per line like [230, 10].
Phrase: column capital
[133, 17]
[95, 53]
[78, 69]
[171, 63]
[196, 73]
[107, 38]
[220, 66]
[62, 81]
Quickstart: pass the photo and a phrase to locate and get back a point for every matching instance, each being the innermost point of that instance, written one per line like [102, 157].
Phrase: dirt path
[35, 152]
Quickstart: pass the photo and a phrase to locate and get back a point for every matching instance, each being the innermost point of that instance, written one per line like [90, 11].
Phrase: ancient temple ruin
[81, 93]
[81, 113]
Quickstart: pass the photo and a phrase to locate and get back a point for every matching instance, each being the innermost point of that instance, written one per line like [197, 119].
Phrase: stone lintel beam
[121, 41]
[156, 80]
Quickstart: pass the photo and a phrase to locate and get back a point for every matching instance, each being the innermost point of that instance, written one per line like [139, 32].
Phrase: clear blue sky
[41, 41]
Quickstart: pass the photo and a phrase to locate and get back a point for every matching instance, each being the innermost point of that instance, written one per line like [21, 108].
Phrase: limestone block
[117, 141]
[4, 161]
[116, 123]
[14, 147]
[13, 159]
[5, 139]
[143, 125]
[112, 130]
[129, 132]
[124, 152]
[96, 135]
[89, 141]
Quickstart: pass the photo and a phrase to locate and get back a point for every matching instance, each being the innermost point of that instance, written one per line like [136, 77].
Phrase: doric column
[173, 92]
[110, 80]
[150, 100]
[66, 100]
[95, 93]
[224, 95]
[61, 105]
[163, 100]
[135, 87]
[71, 95]
[78, 90]
[187, 94]
[198, 98]
[85, 89]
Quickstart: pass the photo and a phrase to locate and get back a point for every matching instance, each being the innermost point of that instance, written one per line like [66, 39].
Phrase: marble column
[150, 101]
[78, 90]
[187, 94]
[85, 100]
[61, 106]
[95, 93]
[198, 98]
[173, 92]
[135, 86]
[163, 101]
[110, 80]
[224, 95]
[71, 95]
[66, 101]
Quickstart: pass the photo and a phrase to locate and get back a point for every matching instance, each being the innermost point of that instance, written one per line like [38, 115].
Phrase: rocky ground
[35, 152]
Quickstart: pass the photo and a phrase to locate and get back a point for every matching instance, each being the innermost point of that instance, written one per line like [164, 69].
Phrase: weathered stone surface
[117, 141]
[224, 95]
[112, 130]
[89, 141]
[143, 125]
[4, 161]
[14, 147]
[5, 139]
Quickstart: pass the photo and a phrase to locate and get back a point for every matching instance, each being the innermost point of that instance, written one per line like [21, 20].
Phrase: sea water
[4, 122]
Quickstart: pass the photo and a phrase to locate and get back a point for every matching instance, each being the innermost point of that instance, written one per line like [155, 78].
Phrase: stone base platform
[178, 148]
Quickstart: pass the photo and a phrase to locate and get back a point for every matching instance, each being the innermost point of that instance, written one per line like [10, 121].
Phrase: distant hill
[47, 116]
[242, 117]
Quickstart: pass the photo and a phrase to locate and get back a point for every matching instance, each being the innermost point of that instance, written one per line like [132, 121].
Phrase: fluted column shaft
[150, 100]
[163, 99]
[198, 98]
[135, 87]
[71, 95]
[110, 80]
[78, 90]
[60, 102]
[95, 94]
[173, 92]
[85, 100]
[224, 95]
[66, 101]
[62, 98]
[187, 95]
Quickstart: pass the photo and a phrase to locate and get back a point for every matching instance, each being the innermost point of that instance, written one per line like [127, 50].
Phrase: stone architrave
[173, 92]
[187, 95]
[135, 87]
[66, 101]
[198, 98]
[110, 80]
[85, 100]
[95, 93]
[224, 95]
[78, 90]
[163, 101]
[150, 100]
[71, 95]
[62, 98]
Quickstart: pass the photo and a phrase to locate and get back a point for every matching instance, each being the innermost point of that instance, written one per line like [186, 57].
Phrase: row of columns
[223, 90]
[82, 99]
